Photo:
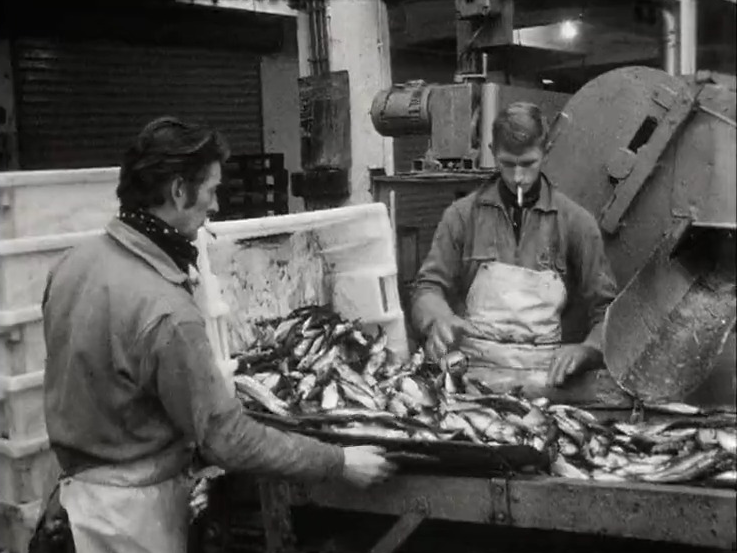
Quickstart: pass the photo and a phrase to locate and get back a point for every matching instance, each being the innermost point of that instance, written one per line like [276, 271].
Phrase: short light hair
[518, 127]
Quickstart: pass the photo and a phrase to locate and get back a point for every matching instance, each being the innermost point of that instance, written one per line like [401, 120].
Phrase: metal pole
[670, 41]
[688, 36]
[489, 109]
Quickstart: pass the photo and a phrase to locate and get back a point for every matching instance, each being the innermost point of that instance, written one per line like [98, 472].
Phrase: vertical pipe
[489, 109]
[670, 41]
[688, 36]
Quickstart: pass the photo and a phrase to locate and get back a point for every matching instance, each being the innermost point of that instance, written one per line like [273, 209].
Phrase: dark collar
[489, 195]
[142, 246]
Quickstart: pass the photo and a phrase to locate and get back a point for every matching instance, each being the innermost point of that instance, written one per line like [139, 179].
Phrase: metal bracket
[404, 527]
[643, 162]
[500, 513]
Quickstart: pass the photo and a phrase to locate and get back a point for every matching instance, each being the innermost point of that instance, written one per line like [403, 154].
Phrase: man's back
[103, 299]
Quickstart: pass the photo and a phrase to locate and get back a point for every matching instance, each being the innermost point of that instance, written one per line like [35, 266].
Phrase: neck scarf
[165, 236]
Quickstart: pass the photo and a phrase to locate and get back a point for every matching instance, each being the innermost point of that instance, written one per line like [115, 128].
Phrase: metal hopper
[653, 157]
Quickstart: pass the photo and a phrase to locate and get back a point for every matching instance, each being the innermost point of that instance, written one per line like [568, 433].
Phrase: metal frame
[674, 514]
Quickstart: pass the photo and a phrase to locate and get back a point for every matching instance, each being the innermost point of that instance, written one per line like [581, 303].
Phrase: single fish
[418, 391]
[306, 385]
[725, 478]
[604, 476]
[349, 375]
[456, 423]
[379, 344]
[727, 440]
[303, 347]
[358, 395]
[567, 447]
[674, 408]
[330, 397]
[374, 363]
[258, 392]
[686, 468]
[397, 406]
[561, 467]
[284, 328]
[371, 431]
[573, 428]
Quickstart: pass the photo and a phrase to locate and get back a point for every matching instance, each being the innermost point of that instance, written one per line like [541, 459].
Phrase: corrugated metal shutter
[81, 103]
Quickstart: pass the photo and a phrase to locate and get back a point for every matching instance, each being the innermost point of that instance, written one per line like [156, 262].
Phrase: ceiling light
[568, 30]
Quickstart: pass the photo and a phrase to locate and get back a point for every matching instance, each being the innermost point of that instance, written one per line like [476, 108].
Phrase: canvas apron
[519, 310]
[127, 509]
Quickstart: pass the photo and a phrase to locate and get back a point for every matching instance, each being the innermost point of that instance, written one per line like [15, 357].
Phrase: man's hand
[365, 465]
[570, 360]
[444, 335]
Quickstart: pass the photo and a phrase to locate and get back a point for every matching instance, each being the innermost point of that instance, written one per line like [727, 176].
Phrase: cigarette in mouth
[519, 195]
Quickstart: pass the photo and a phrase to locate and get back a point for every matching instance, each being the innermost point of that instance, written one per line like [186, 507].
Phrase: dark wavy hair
[164, 150]
[519, 126]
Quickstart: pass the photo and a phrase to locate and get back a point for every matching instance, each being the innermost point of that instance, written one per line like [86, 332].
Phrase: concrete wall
[280, 105]
[355, 47]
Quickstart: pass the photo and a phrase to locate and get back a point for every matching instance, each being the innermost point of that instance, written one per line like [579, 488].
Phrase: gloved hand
[445, 333]
[570, 360]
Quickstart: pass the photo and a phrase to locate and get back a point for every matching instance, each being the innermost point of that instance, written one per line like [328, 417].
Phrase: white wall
[280, 106]
[359, 43]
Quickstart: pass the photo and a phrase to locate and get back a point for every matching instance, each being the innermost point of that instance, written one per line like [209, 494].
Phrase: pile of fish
[330, 374]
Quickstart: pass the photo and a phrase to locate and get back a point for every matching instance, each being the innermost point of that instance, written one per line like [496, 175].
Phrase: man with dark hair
[503, 265]
[131, 383]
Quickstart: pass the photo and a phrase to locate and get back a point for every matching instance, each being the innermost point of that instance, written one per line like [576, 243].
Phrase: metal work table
[683, 515]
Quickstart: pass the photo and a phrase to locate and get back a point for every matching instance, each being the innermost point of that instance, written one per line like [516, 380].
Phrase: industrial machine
[652, 156]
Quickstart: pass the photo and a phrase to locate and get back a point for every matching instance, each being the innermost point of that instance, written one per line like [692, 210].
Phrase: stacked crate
[254, 186]
[42, 214]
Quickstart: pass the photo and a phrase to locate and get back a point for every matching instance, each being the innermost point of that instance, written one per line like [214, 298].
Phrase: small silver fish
[374, 363]
[727, 440]
[306, 385]
[565, 469]
[356, 394]
[330, 397]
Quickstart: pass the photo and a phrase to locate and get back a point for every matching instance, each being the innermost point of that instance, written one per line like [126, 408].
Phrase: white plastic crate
[36, 203]
[22, 345]
[25, 468]
[269, 266]
[25, 265]
[17, 524]
[22, 407]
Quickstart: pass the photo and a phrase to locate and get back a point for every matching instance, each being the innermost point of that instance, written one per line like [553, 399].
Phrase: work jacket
[130, 373]
[557, 234]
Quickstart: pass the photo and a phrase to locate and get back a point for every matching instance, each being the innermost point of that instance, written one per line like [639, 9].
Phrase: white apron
[520, 311]
[114, 509]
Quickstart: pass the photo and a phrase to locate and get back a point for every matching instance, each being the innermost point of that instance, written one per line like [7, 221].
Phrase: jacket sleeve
[195, 396]
[438, 279]
[595, 280]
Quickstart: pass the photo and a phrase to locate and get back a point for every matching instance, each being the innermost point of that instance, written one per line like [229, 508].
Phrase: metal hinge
[500, 513]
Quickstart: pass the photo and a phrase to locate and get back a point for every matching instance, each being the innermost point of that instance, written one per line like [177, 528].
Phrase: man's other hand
[365, 465]
[445, 334]
[570, 360]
